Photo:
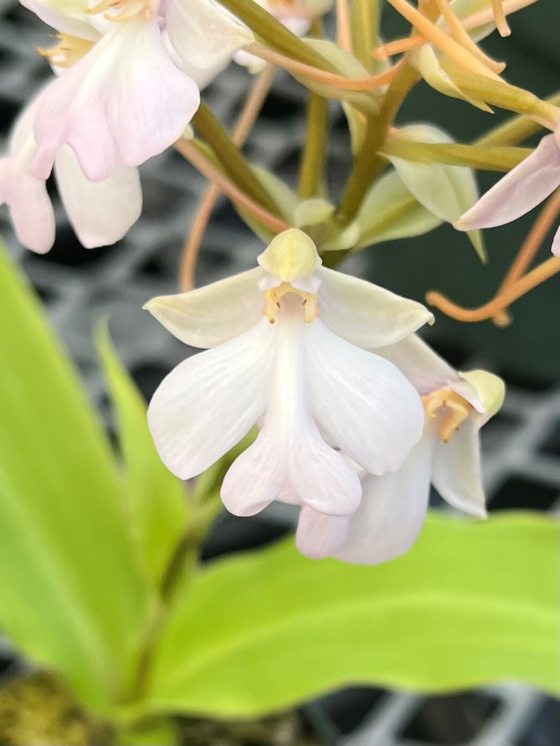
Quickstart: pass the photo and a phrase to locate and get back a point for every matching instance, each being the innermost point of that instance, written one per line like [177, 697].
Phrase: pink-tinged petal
[209, 402]
[210, 315]
[392, 511]
[256, 477]
[457, 472]
[556, 243]
[362, 401]
[124, 101]
[320, 476]
[522, 189]
[365, 314]
[423, 367]
[204, 35]
[31, 210]
[72, 20]
[101, 212]
[319, 535]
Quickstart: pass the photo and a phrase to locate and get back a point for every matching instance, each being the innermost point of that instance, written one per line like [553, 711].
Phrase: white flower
[285, 353]
[393, 508]
[100, 212]
[132, 90]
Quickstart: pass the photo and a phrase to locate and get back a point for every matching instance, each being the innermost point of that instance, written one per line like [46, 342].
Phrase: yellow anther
[121, 11]
[275, 295]
[450, 409]
[67, 52]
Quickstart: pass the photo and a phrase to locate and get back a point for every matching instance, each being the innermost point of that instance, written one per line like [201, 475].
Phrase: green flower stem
[274, 33]
[313, 157]
[483, 158]
[515, 130]
[367, 162]
[231, 159]
[365, 26]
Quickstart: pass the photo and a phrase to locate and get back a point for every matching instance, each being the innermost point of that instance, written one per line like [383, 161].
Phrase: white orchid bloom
[133, 78]
[101, 212]
[394, 506]
[287, 343]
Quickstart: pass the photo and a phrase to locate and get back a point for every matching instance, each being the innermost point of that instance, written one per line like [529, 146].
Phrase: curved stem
[189, 151]
[313, 73]
[540, 274]
[241, 131]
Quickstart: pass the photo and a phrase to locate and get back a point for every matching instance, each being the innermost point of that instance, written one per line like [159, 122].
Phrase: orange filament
[500, 18]
[321, 76]
[516, 290]
[343, 25]
[450, 409]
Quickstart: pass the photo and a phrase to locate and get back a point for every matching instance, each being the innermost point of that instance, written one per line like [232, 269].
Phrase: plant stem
[313, 157]
[515, 130]
[231, 158]
[367, 162]
[365, 24]
[275, 33]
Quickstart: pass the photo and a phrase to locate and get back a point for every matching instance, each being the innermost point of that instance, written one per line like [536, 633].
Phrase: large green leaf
[71, 595]
[470, 604]
[154, 498]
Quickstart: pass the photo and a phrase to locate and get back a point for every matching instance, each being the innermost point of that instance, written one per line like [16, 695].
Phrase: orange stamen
[343, 25]
[500, 18]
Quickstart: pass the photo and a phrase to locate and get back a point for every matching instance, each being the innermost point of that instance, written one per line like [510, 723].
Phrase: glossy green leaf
[446, 191]
[71, 595]
[154, 499]
[472, 603]
[389, 211]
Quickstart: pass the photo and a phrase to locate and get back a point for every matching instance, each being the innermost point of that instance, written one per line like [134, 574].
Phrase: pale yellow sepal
[290, 256]
[490, 389]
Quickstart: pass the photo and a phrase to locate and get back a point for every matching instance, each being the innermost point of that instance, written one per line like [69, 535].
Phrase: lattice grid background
[522, 467]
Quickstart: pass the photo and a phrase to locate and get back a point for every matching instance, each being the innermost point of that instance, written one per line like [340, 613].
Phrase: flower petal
[211, 315]
[392, 510]
[123, 101]
[362, 401]
[256, 477]
[522, 189]
[457, 472]
[320, 476]
[31, 210]
[319, 535]
[203, 34]
[210, 401]
[423, 367]
[365, 314]
[101, 212]
[70, 20]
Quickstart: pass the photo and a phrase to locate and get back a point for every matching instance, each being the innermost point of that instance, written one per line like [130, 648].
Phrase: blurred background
[522, 466]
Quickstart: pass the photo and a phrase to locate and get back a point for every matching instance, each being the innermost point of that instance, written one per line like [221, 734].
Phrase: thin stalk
[343, 25]
[367, 162]
[313, 156]
[536, 277]
[231, 159]
[515, 130]
[189, 151]
[241, 131]
[365, 25]
[274, 33]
